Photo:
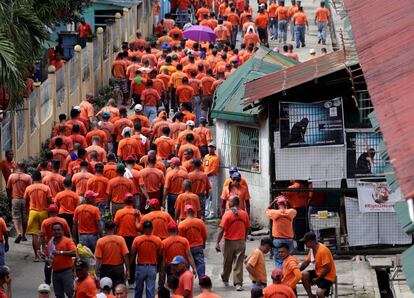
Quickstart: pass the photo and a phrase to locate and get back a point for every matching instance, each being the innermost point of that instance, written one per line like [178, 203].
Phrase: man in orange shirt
[118, 187]
[127, 146]
[165, 145]
[174, 245]
[39, 197]
[185, 199]
[251, 38]
[184, 92]
[200, 185]
[324, 274]
[126, 220]
[211, 165]
[119, 68]
[137, 87]
[234, 19]
[277, 289]
[262, 22]
[85, 31]
[195, 231]
[159, 219]
[86, 107]
[205, 135]
[282, 15]
[300, 20]
[207, 98]
[4, 241]
[222, 33]
[79, 180]
[59, 254]
[173, 185]
[282, 228]
[235, 188]
[16, 186]
[85, 285]
[112, 256]
[98, 184]
[150, 99]
[322, 15]
[290, 269]
[67, 201]
[234, 226]
[273, 19]
[147, 251]
[86, 221]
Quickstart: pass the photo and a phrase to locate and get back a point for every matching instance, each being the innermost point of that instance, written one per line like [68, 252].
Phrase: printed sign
[376, 197]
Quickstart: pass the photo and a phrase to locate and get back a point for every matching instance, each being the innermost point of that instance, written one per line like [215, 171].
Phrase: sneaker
[239, 288]
[226, 283]
[131, 285]
[324, 43]
[319, 41]
[210, 217]
[18, 239]
[24, 238]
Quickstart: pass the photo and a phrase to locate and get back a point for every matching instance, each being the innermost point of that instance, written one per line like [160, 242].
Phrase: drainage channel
[384, 283]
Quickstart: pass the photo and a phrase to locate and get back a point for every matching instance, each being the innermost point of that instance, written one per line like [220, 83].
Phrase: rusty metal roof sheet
[294, 76]
[384, 35]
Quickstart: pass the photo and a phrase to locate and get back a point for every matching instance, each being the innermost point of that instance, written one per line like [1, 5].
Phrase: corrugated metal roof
[384, 38]
[229, 95]
[294, 76]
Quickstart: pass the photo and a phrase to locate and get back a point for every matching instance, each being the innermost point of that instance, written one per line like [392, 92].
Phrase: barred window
[240, 147]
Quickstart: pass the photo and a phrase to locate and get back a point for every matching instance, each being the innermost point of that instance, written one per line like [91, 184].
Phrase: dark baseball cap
[309, 236]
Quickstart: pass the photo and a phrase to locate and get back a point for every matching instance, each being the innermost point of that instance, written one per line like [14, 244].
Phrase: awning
[294, 76]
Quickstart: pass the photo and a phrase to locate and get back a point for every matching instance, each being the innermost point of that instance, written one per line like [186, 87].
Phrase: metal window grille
[240, 147]
[365, 107]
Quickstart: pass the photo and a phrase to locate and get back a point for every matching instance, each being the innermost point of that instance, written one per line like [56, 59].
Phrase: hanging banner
[311, 124]
[363, 158]
[377, 197]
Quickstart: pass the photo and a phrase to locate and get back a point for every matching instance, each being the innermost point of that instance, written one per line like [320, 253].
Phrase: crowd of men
[137, 188]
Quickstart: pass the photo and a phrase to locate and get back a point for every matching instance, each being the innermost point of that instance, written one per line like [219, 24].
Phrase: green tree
[23, 30]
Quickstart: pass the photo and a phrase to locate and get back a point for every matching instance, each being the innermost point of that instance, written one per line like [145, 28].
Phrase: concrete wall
[259, 183]
[31, 125]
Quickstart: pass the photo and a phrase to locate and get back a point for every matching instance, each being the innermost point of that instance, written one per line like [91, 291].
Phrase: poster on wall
[363, 158]
[377, 197]
[311, 124]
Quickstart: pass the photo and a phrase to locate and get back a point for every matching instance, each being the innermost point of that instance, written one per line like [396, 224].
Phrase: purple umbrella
[200, 33]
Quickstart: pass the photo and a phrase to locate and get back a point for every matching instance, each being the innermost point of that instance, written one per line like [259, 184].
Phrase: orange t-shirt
[128, 146]
[174, 181]
[206, 83]
[282, 13]
[278, 290]
[184, 147]
[150, 97]
[86, 109]
[87, 217]
[234, 19]
[160, 221]
[165, 146]
[251, 38]
[291, 272]
[148, 248]
[80, 180]
[152, 178]
[17, 183]
[241, 191]
[205, 135]
[110, 170]
[201, 12]
[67, 201]
[200, 182]
[60, 262]
[235, 226]
[222, 32]
[39, 195]
[111, 249]
[194, 230]
[292, 10]
[184, 93]
[187, 199]
[86, 288]
[126, 220]
[3, 229]
[322, 14]
[323, 257]
[47, 226]
[138, 86]
[262, 20]
[60, 154]
[256, 259]
[119, 68]
[272, 10]
[211, 164]
[119, 125]
[299, 18]
[98, 184]
[297, 199]
[175, 246]
[118, 187]
[282, 222]
[176, 79]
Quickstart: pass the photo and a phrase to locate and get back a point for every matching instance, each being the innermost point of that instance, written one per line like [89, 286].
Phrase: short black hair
[266, 241]
[109, 225]
[36, 176]
[284, 245]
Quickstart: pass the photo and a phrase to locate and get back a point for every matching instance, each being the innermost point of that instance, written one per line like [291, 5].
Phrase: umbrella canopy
[200, 33]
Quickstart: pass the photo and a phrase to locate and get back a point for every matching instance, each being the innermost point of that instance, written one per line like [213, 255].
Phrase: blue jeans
[2, 255]
[103, 209]
[198, 255]
[322, 31]
[276, 243]
[202, 205]
[300, 35]
[196, 108]
[171, 198]
[273, 27]
[282, 26]
[234, 35]
[89, 240]
[292, 31]
[147, 274]
[150, 112]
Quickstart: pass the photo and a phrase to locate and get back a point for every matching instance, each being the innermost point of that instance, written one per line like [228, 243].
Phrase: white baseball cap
[105, 282]
[77, 108]
[312, 51]
[190, 123]
[125, 130]
[44, 288]
[138, 107]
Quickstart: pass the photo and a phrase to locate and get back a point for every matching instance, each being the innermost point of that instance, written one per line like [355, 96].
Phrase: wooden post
[99, 33]
[52, 91]
[126, 29]
[90, 49]
[110, 43]
[118, 26]
[134, 18]
[78, 51]
[38, 109]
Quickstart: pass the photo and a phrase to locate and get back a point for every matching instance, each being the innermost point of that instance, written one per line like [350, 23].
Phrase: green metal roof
[228, 98]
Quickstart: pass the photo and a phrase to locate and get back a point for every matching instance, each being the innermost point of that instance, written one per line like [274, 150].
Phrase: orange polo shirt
[235, 226]
[118, 187]
[67, 201]
[194, 230]
[126, 220]
[174, 181]
[152, 178]
[211, 164]
[148, 248]
[160, 221]
[61, 262]
[187, 199]
[111, 249]
[98, 184]
[282, 222]
[38, 196]
[241, 191]
[87, 215]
